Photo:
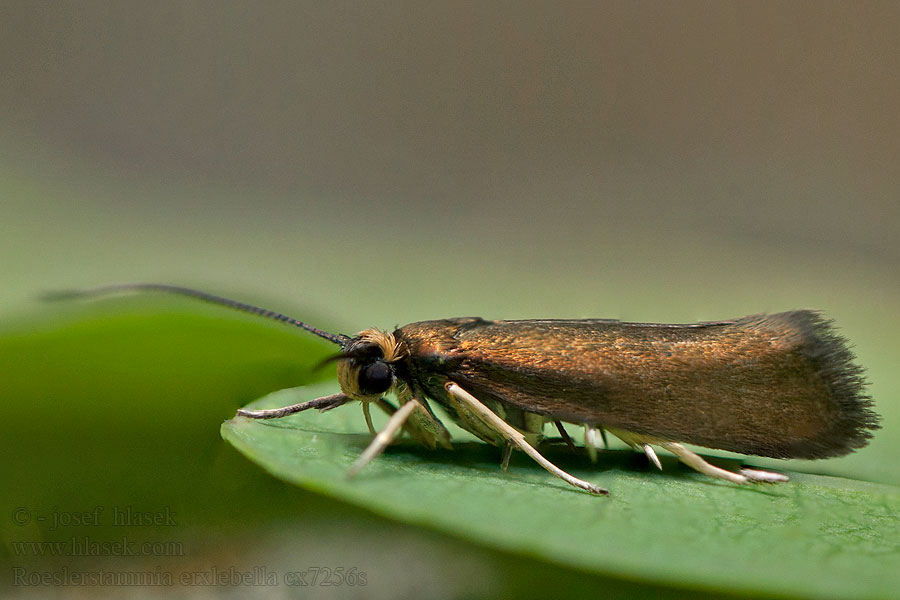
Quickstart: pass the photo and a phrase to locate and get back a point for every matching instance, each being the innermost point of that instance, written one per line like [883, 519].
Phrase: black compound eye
[375, 378]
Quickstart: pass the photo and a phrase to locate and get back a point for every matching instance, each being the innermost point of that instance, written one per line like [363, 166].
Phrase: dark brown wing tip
[854, 418]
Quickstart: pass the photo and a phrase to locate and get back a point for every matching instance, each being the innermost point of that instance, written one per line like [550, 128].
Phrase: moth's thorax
[368, 347]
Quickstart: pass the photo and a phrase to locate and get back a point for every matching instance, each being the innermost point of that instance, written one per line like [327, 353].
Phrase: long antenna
[340, 340]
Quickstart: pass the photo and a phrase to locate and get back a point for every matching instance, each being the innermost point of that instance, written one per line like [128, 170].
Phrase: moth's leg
[384, 437]
[759, 476]
[565, 436]
[507, 454]
[745, 476]
[533, 427]
[651, 455]
[695, 462]
[388, 408]
[514, 436]
[592, 438]
[642, 443]
[421, 425]
[533, 432]
[469, 420]
[324, 403]
[368, 415]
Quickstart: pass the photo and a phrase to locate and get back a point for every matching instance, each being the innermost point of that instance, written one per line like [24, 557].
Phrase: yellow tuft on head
[384, 340]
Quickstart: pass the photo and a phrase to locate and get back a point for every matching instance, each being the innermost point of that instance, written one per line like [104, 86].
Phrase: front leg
[422, 425]
[413, 417]
[384, 437]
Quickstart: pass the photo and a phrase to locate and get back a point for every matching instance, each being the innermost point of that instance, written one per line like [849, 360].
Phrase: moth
[782, 385]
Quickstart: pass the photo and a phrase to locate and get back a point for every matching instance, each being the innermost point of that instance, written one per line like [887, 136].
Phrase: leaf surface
[816, 536]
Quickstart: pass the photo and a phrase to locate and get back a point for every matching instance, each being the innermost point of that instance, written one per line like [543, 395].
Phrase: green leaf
[128, 384]
[816, 536]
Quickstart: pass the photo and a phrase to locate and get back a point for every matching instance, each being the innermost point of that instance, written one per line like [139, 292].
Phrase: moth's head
[365, 368]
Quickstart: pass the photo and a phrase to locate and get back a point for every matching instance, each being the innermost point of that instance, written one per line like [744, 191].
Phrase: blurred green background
[359, 165]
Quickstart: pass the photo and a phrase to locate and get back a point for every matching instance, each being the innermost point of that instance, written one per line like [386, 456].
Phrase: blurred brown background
[773, 121]
[383, 163]
[536, 123]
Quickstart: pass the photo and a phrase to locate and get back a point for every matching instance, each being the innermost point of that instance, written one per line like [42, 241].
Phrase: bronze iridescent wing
[781, 385]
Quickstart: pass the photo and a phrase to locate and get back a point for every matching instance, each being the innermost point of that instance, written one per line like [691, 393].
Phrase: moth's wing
[575, 370]
[781, 385]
